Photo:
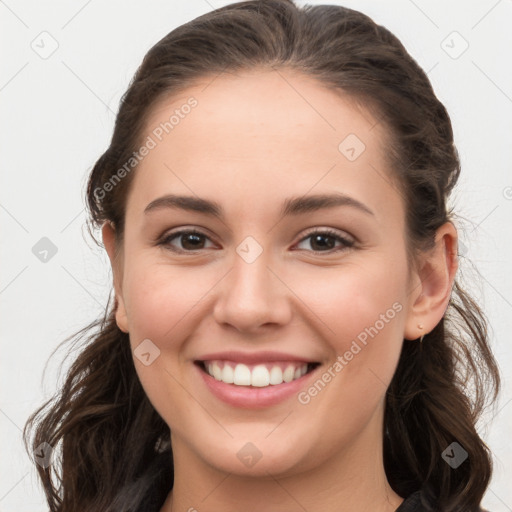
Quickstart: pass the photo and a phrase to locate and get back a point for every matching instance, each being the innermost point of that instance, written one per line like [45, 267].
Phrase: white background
[57, 116]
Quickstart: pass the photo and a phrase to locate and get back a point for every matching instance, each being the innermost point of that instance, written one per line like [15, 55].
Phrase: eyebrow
[291, 206]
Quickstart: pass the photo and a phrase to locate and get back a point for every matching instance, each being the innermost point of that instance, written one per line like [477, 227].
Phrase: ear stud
[420, 326]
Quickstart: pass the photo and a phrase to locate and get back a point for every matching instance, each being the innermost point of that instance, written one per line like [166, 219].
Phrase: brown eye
[190, 240]
[320, 241]
[325, 240]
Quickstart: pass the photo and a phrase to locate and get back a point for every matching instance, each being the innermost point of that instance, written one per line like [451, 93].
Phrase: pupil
[320, 237]
[189, 237]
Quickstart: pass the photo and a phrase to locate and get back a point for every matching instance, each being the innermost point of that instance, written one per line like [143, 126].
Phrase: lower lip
[249, 397]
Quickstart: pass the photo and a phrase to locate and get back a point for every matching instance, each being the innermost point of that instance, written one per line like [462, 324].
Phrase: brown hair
[111, 436]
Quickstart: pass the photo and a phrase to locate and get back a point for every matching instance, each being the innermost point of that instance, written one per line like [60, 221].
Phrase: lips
[254, 397]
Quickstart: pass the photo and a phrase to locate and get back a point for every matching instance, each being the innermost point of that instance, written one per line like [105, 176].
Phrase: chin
[258, 458]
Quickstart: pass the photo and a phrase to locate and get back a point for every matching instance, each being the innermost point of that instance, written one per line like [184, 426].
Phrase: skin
[252, 141]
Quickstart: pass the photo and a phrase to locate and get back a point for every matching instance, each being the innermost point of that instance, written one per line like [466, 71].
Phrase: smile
[255, 386]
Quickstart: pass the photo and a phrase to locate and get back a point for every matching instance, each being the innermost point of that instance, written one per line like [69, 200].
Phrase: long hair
[110, 438]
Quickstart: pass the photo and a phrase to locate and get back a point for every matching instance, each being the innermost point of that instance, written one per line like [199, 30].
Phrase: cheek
[355, 297]
[362, 318]
[162, 302]
[159, 297]
[362, 321]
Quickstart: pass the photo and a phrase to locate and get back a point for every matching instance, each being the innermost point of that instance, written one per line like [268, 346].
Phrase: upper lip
[253, 357]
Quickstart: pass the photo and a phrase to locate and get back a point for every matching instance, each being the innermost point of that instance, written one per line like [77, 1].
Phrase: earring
[420, 326]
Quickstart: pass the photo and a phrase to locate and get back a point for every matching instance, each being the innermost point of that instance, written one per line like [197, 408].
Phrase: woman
[287, 332]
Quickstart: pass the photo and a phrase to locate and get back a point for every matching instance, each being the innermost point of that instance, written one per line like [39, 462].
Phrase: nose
[252, 297]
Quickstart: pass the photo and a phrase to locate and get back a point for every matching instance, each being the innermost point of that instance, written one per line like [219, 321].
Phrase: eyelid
[331, 232]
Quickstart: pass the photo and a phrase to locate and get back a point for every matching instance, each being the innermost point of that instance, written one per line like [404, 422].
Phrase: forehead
[273, 133]
[276, 108]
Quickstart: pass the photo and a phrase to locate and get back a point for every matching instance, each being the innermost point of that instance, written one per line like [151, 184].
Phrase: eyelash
[165, 241]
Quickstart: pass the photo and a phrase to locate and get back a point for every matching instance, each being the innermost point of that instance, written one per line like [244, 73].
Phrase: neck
[347, 480]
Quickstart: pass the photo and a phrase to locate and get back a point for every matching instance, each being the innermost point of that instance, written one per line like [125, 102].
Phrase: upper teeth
[260, 375]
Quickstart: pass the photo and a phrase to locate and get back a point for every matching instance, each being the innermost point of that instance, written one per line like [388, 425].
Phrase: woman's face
[262, 284]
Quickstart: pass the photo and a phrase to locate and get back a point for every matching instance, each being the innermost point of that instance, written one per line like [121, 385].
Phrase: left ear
[433, 283]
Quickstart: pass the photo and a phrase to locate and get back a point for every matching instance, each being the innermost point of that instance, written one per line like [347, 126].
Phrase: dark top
[162, 484]
[411, 504]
